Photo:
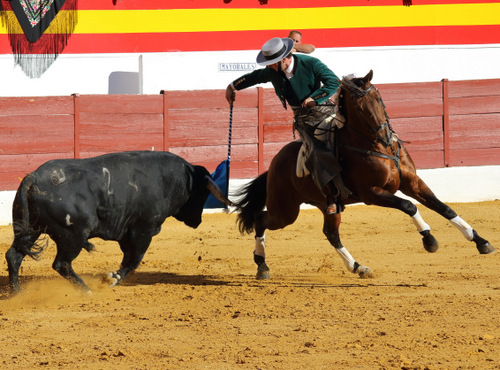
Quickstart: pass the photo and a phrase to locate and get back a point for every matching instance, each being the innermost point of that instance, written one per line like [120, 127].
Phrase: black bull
[124, 197]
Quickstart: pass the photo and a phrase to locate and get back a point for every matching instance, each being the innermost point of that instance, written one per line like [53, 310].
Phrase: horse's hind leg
[278, 215]
[331, 230]
[259, 253]
[259, 257]
[418, 190]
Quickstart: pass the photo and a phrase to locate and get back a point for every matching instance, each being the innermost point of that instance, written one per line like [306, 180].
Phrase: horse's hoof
[486, 248]
[365, 272]
[263, 275]
[430, 243]
[482, 245]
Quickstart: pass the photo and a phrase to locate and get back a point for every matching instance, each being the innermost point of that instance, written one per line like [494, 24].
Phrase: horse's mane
[353, 86]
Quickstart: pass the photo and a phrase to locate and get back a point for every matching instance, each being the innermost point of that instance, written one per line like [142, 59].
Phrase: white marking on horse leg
[260, 246]
[68, 220]
[347, 258]
[364, 272]
[464, 227]
[419, 222]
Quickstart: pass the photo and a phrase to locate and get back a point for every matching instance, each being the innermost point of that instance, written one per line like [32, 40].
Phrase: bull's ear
[215, 190]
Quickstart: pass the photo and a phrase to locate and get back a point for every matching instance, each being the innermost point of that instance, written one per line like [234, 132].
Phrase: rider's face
[282, 65]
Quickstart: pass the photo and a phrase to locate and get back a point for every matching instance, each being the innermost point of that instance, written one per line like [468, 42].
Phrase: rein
[395, 157]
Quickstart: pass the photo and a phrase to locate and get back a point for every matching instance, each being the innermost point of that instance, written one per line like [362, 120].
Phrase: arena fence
[446, 123]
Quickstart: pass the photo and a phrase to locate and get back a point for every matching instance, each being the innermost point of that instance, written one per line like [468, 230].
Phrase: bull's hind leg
[331, 230]
[417, 189]
[67, 250]
[21, 246]
[134, 246]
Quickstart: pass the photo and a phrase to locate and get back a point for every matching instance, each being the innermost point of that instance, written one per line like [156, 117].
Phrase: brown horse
[375, 165]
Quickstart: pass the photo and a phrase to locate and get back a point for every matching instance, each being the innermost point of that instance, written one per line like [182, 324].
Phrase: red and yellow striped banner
[137, 26]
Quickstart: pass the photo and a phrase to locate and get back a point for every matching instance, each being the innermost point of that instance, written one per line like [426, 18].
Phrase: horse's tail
[23, 230]
[251, 202]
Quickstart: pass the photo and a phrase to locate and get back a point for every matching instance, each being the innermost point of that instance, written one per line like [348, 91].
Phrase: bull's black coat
[121, 196]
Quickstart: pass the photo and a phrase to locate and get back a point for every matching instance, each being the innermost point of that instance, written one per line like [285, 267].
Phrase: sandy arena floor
[194, 302]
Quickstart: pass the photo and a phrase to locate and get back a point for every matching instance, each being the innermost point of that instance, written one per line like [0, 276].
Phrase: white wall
[89, 73]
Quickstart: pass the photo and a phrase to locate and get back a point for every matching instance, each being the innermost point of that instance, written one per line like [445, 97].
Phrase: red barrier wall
[447, 123]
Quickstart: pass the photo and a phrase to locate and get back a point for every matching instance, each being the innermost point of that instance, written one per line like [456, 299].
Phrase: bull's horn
[215, 190]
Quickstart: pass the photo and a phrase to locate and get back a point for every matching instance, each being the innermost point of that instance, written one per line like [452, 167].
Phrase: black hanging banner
[27, 21]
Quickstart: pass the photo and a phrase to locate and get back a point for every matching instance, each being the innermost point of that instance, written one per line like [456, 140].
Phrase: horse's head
[364, 109]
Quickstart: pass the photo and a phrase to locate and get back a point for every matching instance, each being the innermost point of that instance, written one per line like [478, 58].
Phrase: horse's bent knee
[408, 207]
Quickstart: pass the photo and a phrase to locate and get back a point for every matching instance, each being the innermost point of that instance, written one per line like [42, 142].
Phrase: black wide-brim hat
[274, 50]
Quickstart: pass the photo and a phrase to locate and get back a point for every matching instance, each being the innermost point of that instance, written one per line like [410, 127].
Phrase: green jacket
[311, 78]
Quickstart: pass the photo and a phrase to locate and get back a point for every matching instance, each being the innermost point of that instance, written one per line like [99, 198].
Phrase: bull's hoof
[15, 290]
[485, 248]
[263, 274]
[430, 243]
[111, 278]
[89, 247]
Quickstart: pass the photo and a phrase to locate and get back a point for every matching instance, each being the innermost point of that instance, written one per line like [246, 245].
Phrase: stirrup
[331, 209]
[335, 207]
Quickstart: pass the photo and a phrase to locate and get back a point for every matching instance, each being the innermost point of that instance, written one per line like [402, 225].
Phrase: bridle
[358, 93]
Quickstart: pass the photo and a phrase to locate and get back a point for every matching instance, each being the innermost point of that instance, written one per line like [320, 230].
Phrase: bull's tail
[25, 236]
[251, 202]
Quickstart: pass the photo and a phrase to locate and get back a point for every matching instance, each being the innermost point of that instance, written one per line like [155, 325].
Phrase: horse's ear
[366, 80]
[369, 76]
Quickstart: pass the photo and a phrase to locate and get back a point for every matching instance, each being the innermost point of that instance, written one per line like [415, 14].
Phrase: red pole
[166, 126]
[446, 124]
[260, 119]
[76, 125]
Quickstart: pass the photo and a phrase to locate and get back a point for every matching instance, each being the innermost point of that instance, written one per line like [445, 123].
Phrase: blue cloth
[221, 178]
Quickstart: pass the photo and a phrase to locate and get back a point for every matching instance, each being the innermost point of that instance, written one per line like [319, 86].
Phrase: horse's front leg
[417, 189]
[383, 198]
[331, 230]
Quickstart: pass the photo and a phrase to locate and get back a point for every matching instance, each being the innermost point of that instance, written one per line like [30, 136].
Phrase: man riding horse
[307, 85]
